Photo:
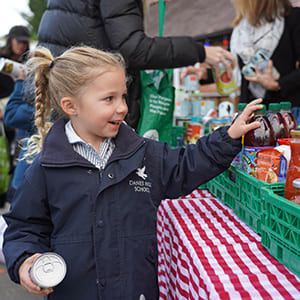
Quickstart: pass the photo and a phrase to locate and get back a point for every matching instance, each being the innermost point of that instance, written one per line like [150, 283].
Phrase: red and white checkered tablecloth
[206, 252]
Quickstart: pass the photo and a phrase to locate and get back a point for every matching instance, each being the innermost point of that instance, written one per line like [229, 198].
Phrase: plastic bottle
[285, 110]
[294, 166]
[277, 121]
[240, 108]
[262, 136]
[296, 196]
[255, 140]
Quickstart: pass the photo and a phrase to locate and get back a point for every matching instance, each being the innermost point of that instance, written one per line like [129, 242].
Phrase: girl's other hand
[25, 279]
[241, 125]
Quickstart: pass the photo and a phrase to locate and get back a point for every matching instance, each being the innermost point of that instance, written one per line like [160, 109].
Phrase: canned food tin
[224, 84]
[10, 67]
[48, 270]
[191, 83]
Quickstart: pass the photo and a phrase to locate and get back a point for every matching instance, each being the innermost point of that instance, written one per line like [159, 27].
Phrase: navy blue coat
[104, 225]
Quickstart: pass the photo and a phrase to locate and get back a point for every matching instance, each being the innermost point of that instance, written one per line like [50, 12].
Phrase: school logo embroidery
[141, 172]
[141, 186]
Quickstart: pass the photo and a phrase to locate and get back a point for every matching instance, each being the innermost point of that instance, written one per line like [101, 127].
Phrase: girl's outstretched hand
[241, 125]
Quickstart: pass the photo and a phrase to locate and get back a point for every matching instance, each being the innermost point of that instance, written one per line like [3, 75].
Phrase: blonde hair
[258, 12]
[63, 76]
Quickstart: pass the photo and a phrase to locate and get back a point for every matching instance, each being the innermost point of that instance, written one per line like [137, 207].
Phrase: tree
[37, 8]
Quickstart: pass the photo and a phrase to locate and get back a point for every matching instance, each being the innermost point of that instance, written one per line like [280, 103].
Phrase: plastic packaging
[277, 121]
[285, 110]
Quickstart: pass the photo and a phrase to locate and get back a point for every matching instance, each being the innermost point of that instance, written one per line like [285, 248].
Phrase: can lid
[285, 105]
[241, 106]
[262, 110]
[48, 270]
[295, 132]
[296, 183]
[274, 106]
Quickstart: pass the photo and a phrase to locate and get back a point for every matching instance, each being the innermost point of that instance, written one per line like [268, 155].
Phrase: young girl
[92, 193]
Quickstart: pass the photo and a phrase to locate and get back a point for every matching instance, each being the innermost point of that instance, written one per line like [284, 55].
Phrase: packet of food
[271, 166]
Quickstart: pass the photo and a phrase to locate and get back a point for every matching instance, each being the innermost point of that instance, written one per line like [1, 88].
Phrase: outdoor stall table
[207, 252]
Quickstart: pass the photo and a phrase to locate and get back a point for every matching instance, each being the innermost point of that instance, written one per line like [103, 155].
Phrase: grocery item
[196, 100]
[48, 270]
[294, 166]
[226, 109]
[284, 141]
[285, 110]
[191, 83]
[271, 166]
[11, 67]
[194, 130]
[255, 140]
[225, 85]
[296, 197]
[277, 121]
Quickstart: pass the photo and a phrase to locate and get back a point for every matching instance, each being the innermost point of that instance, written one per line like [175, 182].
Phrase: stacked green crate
[249, 205]
[225, 188]
[281, 228]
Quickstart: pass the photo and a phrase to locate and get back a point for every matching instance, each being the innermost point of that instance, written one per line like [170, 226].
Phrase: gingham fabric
[206, 252]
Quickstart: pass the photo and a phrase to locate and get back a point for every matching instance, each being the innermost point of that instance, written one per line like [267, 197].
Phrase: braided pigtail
[41, 64]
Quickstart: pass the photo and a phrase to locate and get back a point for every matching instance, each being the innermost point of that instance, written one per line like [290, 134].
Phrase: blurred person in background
[16, 49]
[119, 26]
[17, 45]
[272, 26]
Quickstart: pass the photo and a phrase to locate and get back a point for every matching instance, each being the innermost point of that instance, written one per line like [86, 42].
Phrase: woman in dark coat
[119, 25]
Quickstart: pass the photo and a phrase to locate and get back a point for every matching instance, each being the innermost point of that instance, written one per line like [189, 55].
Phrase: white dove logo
[141, 172]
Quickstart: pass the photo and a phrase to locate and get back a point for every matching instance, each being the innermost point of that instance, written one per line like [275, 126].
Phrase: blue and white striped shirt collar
[87, 150]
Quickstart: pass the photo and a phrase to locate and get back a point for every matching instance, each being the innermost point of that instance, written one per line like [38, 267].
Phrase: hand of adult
[266, 79]
[241, 125]
[216, 55]
[200, 72]
[26, 281]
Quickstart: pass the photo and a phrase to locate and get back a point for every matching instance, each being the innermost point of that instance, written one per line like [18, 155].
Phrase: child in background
[92, 193]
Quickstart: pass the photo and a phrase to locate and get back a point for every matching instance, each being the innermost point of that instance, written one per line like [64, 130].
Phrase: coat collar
[57, 151]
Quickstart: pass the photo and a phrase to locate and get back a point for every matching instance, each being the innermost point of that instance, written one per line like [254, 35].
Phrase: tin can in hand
[48, 270]
[10, 67]
[224, 84]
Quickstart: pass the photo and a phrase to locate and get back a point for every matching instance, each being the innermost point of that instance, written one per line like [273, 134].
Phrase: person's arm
[18, 114]
[6, 85]
[124, 27]
[182, 170]
[29, 224]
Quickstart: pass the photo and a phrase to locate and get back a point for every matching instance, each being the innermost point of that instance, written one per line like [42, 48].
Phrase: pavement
[8, 289]
[12, 291]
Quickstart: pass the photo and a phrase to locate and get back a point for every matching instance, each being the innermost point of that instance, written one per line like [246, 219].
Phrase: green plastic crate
[225, 188]
[281, 228]
[249, 204]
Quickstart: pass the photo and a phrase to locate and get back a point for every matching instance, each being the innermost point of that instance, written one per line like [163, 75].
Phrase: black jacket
[115, 25]
[284, 58]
